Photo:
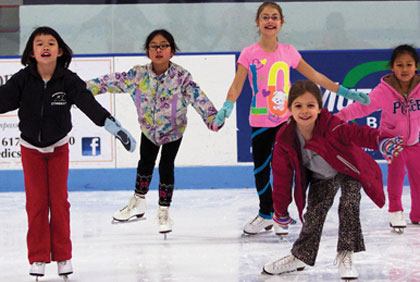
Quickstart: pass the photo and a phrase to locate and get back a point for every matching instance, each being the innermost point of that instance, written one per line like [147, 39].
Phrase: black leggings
[146, 164]
[262, 149]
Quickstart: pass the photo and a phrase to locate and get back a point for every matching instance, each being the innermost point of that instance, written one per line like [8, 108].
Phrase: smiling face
[269, 21]
[159, 51]
[404, 67]
[305, 110]
[45, 49]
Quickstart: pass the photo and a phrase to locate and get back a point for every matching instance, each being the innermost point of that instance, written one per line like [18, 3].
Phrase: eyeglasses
[274, 18]
[161, 47]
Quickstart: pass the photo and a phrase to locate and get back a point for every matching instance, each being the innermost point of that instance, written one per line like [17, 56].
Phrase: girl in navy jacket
[43, 92]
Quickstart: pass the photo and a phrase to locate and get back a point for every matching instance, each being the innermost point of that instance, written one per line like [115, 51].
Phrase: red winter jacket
[337, 142]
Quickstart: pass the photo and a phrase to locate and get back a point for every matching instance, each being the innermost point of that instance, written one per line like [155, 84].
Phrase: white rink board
[200, 146]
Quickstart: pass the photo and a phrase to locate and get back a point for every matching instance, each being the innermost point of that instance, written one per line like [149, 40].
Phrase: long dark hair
[27, 56]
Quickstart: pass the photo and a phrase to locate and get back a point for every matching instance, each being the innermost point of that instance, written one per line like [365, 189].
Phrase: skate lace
[131, 204]
[163, 217]
[284, 262]
[257, 220]
[344, 258]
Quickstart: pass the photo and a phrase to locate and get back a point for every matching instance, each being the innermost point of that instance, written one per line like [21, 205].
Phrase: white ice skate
[134, 210]
[280, 229]
[284, 265]
[164, 221]
[64, 269]
[345, 265]
[397, 222]
[37, 269]
[258, 224]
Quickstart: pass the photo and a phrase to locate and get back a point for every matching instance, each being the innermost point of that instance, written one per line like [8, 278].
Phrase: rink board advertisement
[356, 70]
[90, 145]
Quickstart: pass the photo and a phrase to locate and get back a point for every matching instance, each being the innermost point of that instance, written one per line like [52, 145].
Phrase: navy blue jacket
[44, 108]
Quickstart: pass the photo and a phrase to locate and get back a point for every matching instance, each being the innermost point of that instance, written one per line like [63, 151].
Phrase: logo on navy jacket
[59, 99]
[91, 146]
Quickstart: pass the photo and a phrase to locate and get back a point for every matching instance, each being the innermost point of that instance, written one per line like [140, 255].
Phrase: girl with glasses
[267, 64]
[161, 91]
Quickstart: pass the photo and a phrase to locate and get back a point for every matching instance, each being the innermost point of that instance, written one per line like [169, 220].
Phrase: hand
[391, 147]
[361, 97]
[214, 127]
[224, 112]
[114, 127]
[283, 220]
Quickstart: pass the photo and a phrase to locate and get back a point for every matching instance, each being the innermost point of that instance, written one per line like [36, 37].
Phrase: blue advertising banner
[359, 70]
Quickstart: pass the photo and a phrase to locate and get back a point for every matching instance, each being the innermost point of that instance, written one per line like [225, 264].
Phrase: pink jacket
[400, 116]
[336, 142]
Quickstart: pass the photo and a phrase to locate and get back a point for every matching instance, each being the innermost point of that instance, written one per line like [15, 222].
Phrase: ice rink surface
[206, 243]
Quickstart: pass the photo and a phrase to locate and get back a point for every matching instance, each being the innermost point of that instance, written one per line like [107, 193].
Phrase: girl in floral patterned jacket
[162, 92]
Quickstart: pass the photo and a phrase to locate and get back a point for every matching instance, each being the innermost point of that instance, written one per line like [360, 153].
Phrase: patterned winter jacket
[161, 100]
[337, 142]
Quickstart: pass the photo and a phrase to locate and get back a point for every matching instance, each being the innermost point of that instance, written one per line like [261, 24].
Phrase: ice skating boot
[37, 269]
[258, 224]
[280, 229]
[164, 221]
[136, 208]
[286, 264]
[397, 221]
[346, 266]
[64, 269]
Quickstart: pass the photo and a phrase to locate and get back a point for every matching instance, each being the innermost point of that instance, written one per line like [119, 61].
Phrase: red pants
[47, 207]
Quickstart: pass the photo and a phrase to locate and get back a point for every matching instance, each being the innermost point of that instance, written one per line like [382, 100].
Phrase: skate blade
[165, 231]
[398, 230]
[130, 220]
[264, 232]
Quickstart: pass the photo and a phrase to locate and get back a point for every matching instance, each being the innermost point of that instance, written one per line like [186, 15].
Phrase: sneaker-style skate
[64, 268]
[136, 208]
[164, 221]
[284, 265]
[397, 221]
[37, 269]
[280, 229]
[346, 266]
[258, 224]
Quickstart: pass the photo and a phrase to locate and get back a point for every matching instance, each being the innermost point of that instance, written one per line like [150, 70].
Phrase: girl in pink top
[398, 96]
[267, 64]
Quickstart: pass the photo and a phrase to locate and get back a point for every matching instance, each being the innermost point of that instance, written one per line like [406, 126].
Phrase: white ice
[206, 243]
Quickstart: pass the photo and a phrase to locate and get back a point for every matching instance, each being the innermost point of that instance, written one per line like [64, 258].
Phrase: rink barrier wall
[203, 177]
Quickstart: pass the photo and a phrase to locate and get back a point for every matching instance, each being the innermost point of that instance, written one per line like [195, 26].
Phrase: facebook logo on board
[91, 146]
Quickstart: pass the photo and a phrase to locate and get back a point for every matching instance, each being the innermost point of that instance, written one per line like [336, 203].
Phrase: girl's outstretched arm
[233, 95]
[309, 72]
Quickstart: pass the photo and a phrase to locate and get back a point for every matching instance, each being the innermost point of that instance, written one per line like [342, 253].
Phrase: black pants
[320, 199]
[146, 164]
[262, 149]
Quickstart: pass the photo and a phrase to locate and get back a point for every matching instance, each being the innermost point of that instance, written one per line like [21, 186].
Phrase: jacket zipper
[42, 111]
[352, 167]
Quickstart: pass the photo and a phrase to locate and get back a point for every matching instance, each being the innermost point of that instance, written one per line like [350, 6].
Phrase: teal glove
[391, 147]
[114, 127]
[223, 113]
[361, 97]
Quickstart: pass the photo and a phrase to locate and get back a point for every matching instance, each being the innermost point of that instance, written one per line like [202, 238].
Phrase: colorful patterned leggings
[146, 164]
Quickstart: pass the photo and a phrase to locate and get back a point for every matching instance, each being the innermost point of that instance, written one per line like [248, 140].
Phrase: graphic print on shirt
[272, 99]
